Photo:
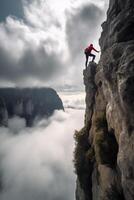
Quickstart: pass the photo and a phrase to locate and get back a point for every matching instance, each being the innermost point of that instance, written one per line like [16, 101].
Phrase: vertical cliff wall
[104, 153]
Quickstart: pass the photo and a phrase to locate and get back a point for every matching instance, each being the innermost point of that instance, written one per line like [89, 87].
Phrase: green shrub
[81, 137]
[90, 154]
[83, 165]
[81, 147]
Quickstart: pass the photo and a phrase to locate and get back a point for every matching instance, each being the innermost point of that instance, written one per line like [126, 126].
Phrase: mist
[36, 163]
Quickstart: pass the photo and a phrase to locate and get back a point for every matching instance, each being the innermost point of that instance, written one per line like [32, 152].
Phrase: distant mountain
[28, 103]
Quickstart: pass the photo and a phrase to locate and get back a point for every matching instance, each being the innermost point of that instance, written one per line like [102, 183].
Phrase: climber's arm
[95, 50]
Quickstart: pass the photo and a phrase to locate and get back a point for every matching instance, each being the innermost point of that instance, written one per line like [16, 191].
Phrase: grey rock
[109, 112]
[3, 113]
[90, 88]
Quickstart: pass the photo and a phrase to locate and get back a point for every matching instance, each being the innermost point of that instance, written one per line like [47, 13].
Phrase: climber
[88, 53]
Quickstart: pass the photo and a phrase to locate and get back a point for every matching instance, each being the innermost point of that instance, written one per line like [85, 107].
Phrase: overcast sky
[42, 42]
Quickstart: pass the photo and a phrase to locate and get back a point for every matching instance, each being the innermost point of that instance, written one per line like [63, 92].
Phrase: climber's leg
[87, 55]
[92, 55]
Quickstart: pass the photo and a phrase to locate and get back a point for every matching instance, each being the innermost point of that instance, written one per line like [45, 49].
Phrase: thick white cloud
[16, 124]
[36, 164]
[24, 55]
[75, 100]
[41, 48]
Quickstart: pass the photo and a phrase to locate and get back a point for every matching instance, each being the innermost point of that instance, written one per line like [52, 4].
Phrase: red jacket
[89, 49]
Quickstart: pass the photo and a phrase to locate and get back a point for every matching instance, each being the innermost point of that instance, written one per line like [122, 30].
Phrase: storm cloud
[22, 57]
[44, 45]
[31, 63]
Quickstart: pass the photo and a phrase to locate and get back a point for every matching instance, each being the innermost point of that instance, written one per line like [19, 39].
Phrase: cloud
[16, 124]
[74, 100]
[30, 50]
[23, 58]
[82, 28]
[45, 46]
[37, 162]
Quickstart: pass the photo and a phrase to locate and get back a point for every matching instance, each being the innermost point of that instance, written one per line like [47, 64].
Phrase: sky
[42, 41]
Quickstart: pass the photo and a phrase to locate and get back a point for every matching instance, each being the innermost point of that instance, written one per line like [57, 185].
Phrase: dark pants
[87, 56]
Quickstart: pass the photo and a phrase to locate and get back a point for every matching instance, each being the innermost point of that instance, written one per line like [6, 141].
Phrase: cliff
[103, 157]
[28, 103]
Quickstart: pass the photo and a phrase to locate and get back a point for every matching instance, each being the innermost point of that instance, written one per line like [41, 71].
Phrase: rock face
[28, 103]
[104, 153]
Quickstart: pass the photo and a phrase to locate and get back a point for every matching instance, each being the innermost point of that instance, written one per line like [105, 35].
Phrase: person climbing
[88, 53]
